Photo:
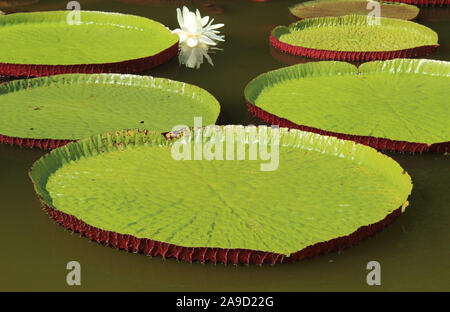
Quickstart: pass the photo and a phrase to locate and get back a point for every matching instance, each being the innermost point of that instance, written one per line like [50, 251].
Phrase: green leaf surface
[323, 8]
[47, 38]
[76, 106]
[128, 182]
[355, 33]
[402, 99]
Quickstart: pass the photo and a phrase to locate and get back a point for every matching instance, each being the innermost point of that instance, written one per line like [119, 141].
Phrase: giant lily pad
[399, 105]
[48, 112]
[46, 43]
[322, 8]
[354, 38]
[424, 2]
[126, 190]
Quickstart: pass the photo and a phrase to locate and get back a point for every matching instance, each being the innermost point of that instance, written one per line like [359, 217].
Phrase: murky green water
[414, 251]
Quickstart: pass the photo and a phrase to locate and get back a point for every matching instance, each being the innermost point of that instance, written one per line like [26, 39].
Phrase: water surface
[413, 252]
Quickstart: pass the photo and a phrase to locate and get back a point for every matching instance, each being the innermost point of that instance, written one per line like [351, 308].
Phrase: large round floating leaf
[323, 8]
[127, 190]
[354, 38]
[50, 111]
[439, 3]
[55, 42]
[399, 105]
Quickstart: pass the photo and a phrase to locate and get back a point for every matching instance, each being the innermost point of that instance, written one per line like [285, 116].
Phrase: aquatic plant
[322, 8]
[44, 43]
[198, 35]
[398, 105]
[195, 30]
[354, 38]
[48, 112]
[126, 190]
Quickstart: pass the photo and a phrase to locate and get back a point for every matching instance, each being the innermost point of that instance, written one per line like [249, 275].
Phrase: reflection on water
[289, 59]
[413, 251]
[192, 57]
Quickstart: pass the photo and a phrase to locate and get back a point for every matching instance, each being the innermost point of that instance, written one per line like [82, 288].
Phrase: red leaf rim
[124, 67]
[45, 144]
[352, 56]
[377, 143]
[237, 256]
[152, 248]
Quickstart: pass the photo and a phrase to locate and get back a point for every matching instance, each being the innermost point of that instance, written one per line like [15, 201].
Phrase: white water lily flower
[196, 30]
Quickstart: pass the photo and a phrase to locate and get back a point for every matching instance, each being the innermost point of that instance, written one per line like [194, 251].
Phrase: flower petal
[180, 18]
[191, 25]
[206, 40]
[205, 21]
[216, 26]
[185, 11]
[208, 58]
[182, 35]
[192, 42]
[213, 36]
[198, 16]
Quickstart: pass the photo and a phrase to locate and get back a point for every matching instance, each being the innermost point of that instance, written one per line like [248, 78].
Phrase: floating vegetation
[126, 190]
[323, 8]
[437, 3]
[397, 105]
[354, 38]
[48, 112]
[55, 42]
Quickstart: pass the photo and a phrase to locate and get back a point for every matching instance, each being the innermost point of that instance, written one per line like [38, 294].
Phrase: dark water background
[414, 251]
